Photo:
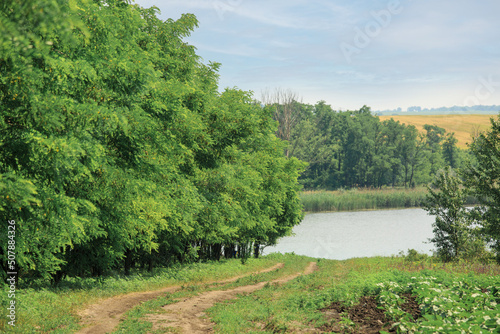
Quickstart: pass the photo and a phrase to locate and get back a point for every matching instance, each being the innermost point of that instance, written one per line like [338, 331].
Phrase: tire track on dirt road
[104, 316]
[187, 315]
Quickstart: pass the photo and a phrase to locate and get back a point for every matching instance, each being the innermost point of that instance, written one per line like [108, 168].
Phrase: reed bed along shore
[365, 199]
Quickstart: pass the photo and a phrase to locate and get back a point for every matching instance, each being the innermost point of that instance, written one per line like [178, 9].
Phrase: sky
[381, 53]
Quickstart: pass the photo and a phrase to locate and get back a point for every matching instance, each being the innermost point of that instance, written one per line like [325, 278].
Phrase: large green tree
[116, 146]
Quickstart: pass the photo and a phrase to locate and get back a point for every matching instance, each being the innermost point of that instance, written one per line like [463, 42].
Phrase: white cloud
[428, 53]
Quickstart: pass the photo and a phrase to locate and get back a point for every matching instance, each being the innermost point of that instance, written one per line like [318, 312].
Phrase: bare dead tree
[286, 106]
[475, 131]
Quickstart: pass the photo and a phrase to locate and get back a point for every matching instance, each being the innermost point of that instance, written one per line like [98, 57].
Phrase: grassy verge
[42, 308]
[292, 307]
[297, 306]
[364, 199]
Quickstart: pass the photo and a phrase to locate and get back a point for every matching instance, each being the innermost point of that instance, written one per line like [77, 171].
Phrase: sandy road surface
[187, 315]
[104, 317]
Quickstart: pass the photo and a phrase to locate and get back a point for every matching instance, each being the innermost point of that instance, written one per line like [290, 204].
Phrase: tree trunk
[216, 252]
[229, 251]
[411, 178]
[151, 260]
[256, 249]
[128, 261]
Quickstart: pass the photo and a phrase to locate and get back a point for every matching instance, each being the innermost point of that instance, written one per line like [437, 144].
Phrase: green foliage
[451, 153]
[348, 149]
[414, 256]
[461, 232]
[118, 149]
[482, 178]
[453, 231]
[434, 137]
[448, 304]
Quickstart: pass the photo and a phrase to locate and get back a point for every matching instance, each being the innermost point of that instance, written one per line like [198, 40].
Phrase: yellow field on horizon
[464, 126]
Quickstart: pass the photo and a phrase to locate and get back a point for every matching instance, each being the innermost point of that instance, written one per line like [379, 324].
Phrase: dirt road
[187, 315]
[104, 317]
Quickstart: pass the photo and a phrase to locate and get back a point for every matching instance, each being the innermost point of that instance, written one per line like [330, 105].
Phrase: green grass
[42, 308]
[295, 307]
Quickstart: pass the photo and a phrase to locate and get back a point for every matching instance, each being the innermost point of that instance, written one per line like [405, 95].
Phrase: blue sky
[384, 54]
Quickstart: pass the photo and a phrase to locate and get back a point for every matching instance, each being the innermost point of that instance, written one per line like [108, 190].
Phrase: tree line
[118, 150]
[346, 149]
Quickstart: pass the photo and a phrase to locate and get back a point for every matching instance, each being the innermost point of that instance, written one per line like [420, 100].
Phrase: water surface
[344, 235]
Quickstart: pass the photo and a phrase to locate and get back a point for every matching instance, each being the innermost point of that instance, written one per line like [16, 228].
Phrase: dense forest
[117, 148]
[346, 149]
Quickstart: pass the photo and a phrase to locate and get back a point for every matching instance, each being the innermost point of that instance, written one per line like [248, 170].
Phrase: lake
[344, 235]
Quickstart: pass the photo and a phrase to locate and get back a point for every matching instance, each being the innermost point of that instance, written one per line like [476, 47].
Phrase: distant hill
[479, 109]
[464, 126]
